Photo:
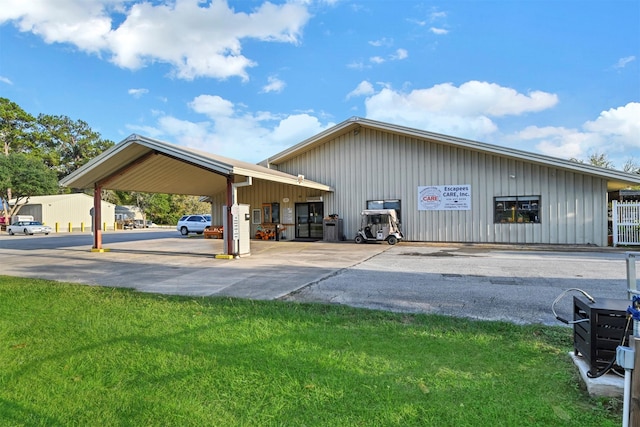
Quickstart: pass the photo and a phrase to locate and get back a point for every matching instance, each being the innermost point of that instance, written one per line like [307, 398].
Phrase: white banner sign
[444, 198]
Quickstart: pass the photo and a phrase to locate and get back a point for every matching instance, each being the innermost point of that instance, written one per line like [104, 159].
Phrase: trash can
[332, 230]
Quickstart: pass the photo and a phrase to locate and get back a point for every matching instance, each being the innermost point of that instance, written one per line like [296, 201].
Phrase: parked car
[28, 227]
[138, 223]
[193, 224]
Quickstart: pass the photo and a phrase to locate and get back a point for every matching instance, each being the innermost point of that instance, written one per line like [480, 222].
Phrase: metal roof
[143, 164]
[616, 180]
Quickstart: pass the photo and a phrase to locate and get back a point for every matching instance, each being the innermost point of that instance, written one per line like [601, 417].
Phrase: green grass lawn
[80, 355]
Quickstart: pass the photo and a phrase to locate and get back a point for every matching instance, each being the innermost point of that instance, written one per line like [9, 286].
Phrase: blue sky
[247, 79]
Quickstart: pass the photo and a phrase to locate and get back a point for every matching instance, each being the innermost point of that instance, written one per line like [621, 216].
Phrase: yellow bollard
[104, 226]
[115, 226]
[57, 227]
[70, 229]
[82, 227]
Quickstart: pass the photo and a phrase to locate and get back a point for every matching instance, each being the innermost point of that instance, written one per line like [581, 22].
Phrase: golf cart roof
[391, 212]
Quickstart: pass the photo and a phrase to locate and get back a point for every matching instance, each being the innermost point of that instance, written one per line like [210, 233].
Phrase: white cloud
[614, 132]
[417, 22]
[622, 122]
[229, 132]
[137, 93]
[622, 62]
[212, 106]
[5, 80]
[463, 111]
[381, 42]
[400, 55]
[82, 23]
[364, 88]
[468, 111]
[274, 85]
[436, 15]
[357, 65]
[196, 39]
[554, 141]
[438, 31]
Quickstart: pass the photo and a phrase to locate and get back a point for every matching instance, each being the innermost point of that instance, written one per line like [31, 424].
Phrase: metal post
[632, 287]
[229, 228]
[614, 222]
[634, 416]
[97, 217]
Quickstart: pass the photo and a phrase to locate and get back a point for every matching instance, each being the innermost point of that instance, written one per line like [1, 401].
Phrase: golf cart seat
[368, 233]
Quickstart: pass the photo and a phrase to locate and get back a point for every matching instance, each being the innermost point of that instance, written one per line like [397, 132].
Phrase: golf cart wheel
[359, 239]
[392, 240]
[11, 233]
[26, 232]
[184, 231]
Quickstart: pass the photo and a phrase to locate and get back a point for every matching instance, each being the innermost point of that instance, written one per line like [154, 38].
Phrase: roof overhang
[616, 180]
[147, 165]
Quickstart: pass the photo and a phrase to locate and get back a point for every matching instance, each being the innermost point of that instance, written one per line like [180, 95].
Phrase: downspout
[247, 183]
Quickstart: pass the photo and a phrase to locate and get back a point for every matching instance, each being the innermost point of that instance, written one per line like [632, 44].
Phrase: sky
[248, 79]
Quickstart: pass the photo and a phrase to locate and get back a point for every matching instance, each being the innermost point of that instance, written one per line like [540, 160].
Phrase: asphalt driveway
[516, 284]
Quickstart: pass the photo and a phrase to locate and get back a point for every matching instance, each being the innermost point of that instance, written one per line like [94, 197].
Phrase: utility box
[597, 338]
[240, 229]
[332, 230]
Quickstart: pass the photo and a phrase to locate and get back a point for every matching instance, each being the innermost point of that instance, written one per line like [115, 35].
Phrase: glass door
[309, 218]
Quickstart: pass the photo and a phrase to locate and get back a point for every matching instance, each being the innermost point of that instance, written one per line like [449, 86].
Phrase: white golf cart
[379, 225]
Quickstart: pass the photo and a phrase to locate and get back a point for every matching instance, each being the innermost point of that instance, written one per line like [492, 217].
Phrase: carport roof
[143, 164]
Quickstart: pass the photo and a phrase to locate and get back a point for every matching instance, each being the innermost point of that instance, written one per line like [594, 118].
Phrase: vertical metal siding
[379, 165]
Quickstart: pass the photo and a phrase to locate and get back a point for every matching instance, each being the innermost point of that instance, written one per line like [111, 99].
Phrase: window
[256, 216]
[270, 213]
[385, 204]
[517, 209]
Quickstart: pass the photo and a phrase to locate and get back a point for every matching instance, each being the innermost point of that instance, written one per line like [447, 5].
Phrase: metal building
[445, 189]
[62, 211]
[450, 189]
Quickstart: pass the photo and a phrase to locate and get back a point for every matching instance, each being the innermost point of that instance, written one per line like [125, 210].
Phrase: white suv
[193, 224]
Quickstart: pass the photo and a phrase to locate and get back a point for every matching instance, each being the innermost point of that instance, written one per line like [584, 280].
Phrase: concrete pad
[484, 282]
[608, 385]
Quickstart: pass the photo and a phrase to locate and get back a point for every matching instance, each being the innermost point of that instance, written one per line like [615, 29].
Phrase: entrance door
[309, 220]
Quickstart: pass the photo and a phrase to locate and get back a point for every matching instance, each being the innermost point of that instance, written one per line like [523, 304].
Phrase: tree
[66, 144]
[600, 160]
[631, 166]
[596, 159]
[15, 128]
[23, 176]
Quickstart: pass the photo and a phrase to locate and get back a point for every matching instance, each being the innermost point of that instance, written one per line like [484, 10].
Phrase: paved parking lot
[516, 284]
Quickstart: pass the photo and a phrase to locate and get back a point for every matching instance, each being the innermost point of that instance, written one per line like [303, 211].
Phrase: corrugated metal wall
[375, 165]
[65, 209]
[268, 192]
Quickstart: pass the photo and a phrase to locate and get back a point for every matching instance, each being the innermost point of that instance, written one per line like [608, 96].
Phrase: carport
[147, 165]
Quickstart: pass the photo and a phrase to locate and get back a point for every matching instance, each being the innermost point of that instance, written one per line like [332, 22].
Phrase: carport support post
[97, 217]
[229, 228]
